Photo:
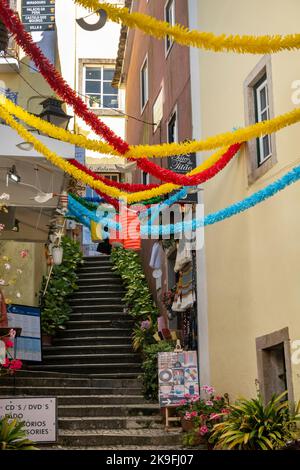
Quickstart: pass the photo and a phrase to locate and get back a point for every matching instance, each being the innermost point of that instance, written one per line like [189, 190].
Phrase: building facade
[251, 264]
[247, 272]
[156, 75]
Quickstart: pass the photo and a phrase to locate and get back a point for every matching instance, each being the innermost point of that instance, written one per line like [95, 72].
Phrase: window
[144, 84]
[261, 152]
[172, 128]
[262, 112]
[98, 89]
[145, 177]
[170, 18]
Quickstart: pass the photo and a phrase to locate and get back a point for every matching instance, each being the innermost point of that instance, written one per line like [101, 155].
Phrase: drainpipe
[202, 310]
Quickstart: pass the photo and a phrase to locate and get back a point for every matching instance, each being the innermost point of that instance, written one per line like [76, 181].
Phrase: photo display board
[28, 346]
[177, 376]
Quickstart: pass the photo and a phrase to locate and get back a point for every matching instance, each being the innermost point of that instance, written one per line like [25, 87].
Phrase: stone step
[98, 308]
[71, 411]
[97, 262]
[109, 360]
[125, 323]
[78, 395]
[93, 341]
[95, 270]
[105, 370]
[94, 332]
[88, 349]
[35, 380]
[123, 448]
[89, 292]
[100, 316]
[135, 437]
[117, 422]
[99, 278]
[94, 301]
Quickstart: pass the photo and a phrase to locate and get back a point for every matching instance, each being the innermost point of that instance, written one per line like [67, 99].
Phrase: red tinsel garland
[193, 180]
[59, 85]
[132, 188]
[55, 80]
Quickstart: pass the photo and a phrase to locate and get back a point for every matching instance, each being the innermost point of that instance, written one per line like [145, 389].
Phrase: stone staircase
[93, 371]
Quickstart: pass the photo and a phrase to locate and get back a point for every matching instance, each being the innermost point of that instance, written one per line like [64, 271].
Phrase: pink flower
[6, 363]
[15, 364]
[187, 395]
[8, 343]
[182, 402]
[187, 415]
[12, 333]
[225, 411]
[145, 325]
[194, 414]
[218, 398]
[214, 416]
[209, 403]
[203, 430]
[195, 398]
[24, 253]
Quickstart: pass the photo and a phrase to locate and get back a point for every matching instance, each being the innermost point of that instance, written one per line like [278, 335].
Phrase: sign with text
[38, 15]
[183, 164]
[38, 414]
[177, 377]
[28, 346]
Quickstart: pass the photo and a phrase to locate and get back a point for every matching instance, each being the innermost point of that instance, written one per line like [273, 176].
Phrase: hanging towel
[184, 255]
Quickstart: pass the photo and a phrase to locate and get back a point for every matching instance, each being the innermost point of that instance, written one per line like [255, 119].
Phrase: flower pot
[47, 340]
[187, 424]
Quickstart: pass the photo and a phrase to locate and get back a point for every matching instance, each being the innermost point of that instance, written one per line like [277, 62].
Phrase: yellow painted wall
[25, 290]
[253, 259]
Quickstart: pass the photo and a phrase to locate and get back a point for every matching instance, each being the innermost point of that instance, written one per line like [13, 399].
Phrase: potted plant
[199, 414]
[252, 425]
[13, 435]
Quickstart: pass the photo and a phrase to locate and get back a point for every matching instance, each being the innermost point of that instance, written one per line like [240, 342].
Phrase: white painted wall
[74, 43]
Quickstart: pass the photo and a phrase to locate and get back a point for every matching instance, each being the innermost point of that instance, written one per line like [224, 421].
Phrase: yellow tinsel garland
[163, 150]
[89, 180]
[265, 44]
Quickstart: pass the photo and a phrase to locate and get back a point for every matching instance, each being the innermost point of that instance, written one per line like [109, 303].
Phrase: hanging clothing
[184, 255]
[156, 256]
[185, 294]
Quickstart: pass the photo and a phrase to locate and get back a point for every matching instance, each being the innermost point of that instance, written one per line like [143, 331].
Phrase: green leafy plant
[141, 307]
[138, 297]
[150, 367]
[13, 435]
[251, 425]
[200, 414]
[55, 309]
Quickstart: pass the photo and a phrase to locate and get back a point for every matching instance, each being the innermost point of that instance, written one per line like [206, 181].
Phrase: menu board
[177, 377]
[28, 345]
[38, 15]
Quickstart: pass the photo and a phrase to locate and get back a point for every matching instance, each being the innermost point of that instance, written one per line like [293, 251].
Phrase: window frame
[259, 111]
[174, 113]
[102, 68]
[145, 65]
[169, 6]
[257, 167]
